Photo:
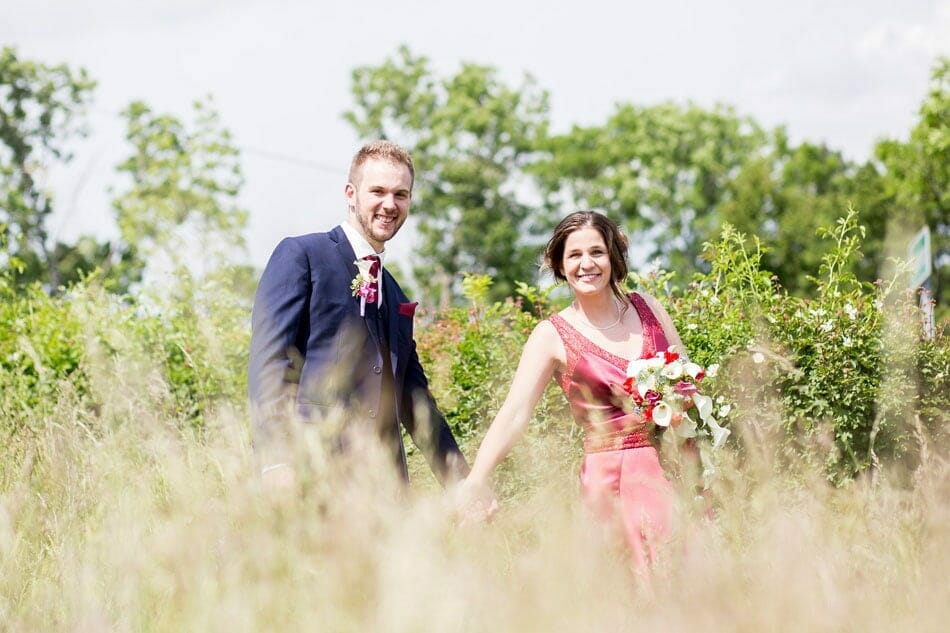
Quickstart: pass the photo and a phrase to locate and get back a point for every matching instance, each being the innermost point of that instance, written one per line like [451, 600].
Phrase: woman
[587, 347]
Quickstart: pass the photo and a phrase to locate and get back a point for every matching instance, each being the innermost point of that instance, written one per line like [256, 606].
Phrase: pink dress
[621, 476]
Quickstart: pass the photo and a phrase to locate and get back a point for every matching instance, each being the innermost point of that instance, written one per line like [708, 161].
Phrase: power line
[285, 158]
[267, 154]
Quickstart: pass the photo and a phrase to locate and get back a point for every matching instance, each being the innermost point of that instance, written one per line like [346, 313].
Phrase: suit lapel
[348, 259]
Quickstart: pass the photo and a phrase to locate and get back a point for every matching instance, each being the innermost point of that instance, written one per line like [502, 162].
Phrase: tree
[41, 109]
[918, 173]
[471, 137]
[660, 171]
[185, 179]
[784, 196]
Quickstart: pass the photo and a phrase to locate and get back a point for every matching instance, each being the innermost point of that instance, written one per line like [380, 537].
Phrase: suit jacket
[368, 363]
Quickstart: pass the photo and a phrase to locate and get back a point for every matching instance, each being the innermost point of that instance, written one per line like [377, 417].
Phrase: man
[327, 298]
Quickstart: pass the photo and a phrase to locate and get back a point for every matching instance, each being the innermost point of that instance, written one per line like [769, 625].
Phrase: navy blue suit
[367, 363]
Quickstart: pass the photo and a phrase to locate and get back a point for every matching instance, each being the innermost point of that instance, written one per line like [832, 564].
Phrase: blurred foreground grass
[145, 528]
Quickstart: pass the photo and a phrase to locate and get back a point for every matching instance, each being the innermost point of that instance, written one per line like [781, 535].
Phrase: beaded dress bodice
[592, 383]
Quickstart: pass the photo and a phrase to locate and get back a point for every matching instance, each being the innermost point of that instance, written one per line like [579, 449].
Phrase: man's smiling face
[379, 200]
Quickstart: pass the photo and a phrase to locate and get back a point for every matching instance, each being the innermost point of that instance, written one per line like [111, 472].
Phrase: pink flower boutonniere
[408, 309]
[364, 285]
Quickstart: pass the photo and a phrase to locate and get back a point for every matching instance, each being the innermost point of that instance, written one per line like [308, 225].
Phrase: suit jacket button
[377, 369]
[372, 413]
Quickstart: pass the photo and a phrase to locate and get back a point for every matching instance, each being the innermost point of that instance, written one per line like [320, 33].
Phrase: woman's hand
[474, 502]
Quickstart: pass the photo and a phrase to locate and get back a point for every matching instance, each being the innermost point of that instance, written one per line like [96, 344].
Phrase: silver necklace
[606, 327]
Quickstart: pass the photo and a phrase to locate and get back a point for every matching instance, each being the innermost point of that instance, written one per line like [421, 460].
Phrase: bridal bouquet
[665, 390]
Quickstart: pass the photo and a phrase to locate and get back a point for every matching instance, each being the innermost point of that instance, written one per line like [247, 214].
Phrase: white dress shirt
[361, 249]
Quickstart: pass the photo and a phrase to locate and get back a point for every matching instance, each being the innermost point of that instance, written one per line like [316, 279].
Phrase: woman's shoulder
[652, 302]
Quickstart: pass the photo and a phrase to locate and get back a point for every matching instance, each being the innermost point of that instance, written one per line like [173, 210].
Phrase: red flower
[629, 385]
[670, 356]
[685, 388]
[652, 397]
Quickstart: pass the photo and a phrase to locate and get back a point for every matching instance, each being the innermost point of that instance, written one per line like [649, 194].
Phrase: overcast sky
[842, 72]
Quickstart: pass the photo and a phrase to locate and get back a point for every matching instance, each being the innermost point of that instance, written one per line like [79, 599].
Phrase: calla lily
[692, 370]
[719, 434]
[662, 414]
[655, 362]
[647, 384]
[709, 467]
[703, 405]
[635, 367]
[673, 370]
[686, 428]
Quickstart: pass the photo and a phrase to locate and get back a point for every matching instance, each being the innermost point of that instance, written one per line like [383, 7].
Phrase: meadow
[129, 499]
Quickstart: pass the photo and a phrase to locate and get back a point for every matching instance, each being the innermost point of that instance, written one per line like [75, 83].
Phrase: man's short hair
[381, 150]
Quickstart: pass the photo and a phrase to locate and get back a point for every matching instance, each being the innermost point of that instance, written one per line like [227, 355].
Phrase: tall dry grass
[147, 528]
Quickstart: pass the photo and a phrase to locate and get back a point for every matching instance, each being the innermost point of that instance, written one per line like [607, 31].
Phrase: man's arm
[280, 302]
[427, 426]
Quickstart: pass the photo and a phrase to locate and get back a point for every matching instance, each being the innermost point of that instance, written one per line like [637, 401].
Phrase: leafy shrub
[843, 375]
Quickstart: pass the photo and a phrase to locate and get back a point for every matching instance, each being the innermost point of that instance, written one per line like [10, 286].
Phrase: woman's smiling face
[586, 262]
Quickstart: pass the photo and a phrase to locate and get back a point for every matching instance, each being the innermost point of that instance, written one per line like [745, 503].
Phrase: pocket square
[408, 309]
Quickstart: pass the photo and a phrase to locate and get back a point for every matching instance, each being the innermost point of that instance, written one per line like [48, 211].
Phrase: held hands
[474, 502]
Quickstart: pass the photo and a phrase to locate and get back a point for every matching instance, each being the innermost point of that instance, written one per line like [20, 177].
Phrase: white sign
[918, 256]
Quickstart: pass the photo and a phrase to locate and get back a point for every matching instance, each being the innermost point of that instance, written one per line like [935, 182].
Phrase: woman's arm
[536, 367]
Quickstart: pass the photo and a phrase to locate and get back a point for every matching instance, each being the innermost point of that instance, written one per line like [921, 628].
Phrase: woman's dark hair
[614, 238]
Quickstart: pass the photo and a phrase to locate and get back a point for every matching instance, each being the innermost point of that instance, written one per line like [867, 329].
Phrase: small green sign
[918, 255]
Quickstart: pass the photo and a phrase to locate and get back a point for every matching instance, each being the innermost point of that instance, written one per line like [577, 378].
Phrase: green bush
[843, 376]
[184, 355]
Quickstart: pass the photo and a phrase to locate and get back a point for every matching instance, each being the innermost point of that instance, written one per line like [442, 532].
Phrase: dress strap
[654, 338]
[571, 344]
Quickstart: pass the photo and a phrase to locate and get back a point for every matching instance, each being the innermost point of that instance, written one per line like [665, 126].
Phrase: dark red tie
[374, 273]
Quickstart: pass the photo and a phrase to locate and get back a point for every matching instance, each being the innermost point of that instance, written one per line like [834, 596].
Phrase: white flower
[691, 326]
[720, 400]
[635, 367]
[846, 341]
[703, 405]
[851, 311]
[672, 371]
[662, 414]
[686, 428]
[719, 433]
[758, 358]
[655, 362]
[645, 385]
[714, 300]
[712, 370]
[709, 467]
[692, 370]
[827, 326]
[724, 410]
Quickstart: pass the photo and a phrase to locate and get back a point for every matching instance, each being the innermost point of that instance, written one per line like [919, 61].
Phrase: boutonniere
[408, 309]
[364, 285]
